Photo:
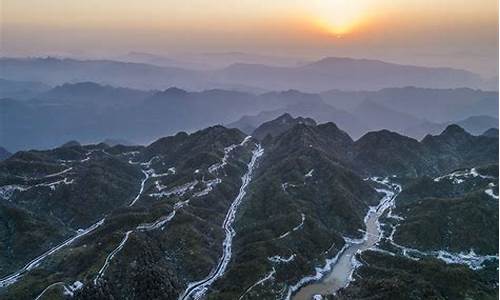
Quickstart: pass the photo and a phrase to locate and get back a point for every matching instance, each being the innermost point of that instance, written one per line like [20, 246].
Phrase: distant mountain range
[434, 105]
[208, 60]
[21, 89]
[371, 115]
[325, 74]
[90, 112]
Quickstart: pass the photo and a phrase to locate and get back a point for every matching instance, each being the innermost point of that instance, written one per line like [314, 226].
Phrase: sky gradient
[456, 33]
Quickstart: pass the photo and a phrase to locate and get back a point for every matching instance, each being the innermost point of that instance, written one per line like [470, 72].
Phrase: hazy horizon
[445, 33]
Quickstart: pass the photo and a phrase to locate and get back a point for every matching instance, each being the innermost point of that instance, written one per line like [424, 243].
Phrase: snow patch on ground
[160, 223]
[71, 289]
[177, 191]
[279, 259]
[490, 192]
[460, 176]
[284, 186]
[213, 169]
[470, 259]
[299, 226]
[209, 186]
[7, 191]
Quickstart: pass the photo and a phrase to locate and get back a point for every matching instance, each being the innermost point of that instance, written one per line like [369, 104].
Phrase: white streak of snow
[10, 279]
[110, 257]
[269, 276]
[297, 227]
[196, 290]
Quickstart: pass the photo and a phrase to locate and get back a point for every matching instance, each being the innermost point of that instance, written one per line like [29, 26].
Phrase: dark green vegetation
[45, 199]
[277, 126]
[102, 182]
[388, 153]
[304, 200]
[453, 214]
[394, 277]
[163, 207]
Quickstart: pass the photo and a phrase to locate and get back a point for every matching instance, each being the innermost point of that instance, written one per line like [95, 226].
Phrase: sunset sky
[456, 33]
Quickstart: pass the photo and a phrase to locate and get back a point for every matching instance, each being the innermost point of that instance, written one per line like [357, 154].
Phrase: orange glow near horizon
[460, 33]
[337, 17]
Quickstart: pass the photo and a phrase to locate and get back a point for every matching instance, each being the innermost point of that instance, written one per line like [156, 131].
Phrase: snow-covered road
[111, 256]
[196, 290]
[10, 279]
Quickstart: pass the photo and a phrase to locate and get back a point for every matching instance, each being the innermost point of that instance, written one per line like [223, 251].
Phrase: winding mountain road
[197, 290]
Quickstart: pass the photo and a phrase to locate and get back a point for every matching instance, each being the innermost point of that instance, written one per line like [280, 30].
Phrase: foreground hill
[218, 214]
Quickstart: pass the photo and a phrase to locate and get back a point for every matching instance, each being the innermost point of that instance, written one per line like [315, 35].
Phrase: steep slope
[56, 193]
[440, 241]
[455, 148]
[188, 187]
[279, 125]
[216, 215]
[435, 211]
[388, 153]
[303, 203]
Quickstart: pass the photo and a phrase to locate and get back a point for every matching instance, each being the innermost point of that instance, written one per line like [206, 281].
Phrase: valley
[344, 264]
[212, 215]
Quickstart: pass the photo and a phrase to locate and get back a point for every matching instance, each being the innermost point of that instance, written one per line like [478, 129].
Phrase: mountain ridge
[257, 76]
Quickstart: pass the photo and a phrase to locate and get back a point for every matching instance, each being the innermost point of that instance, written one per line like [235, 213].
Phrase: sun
[338, 17]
